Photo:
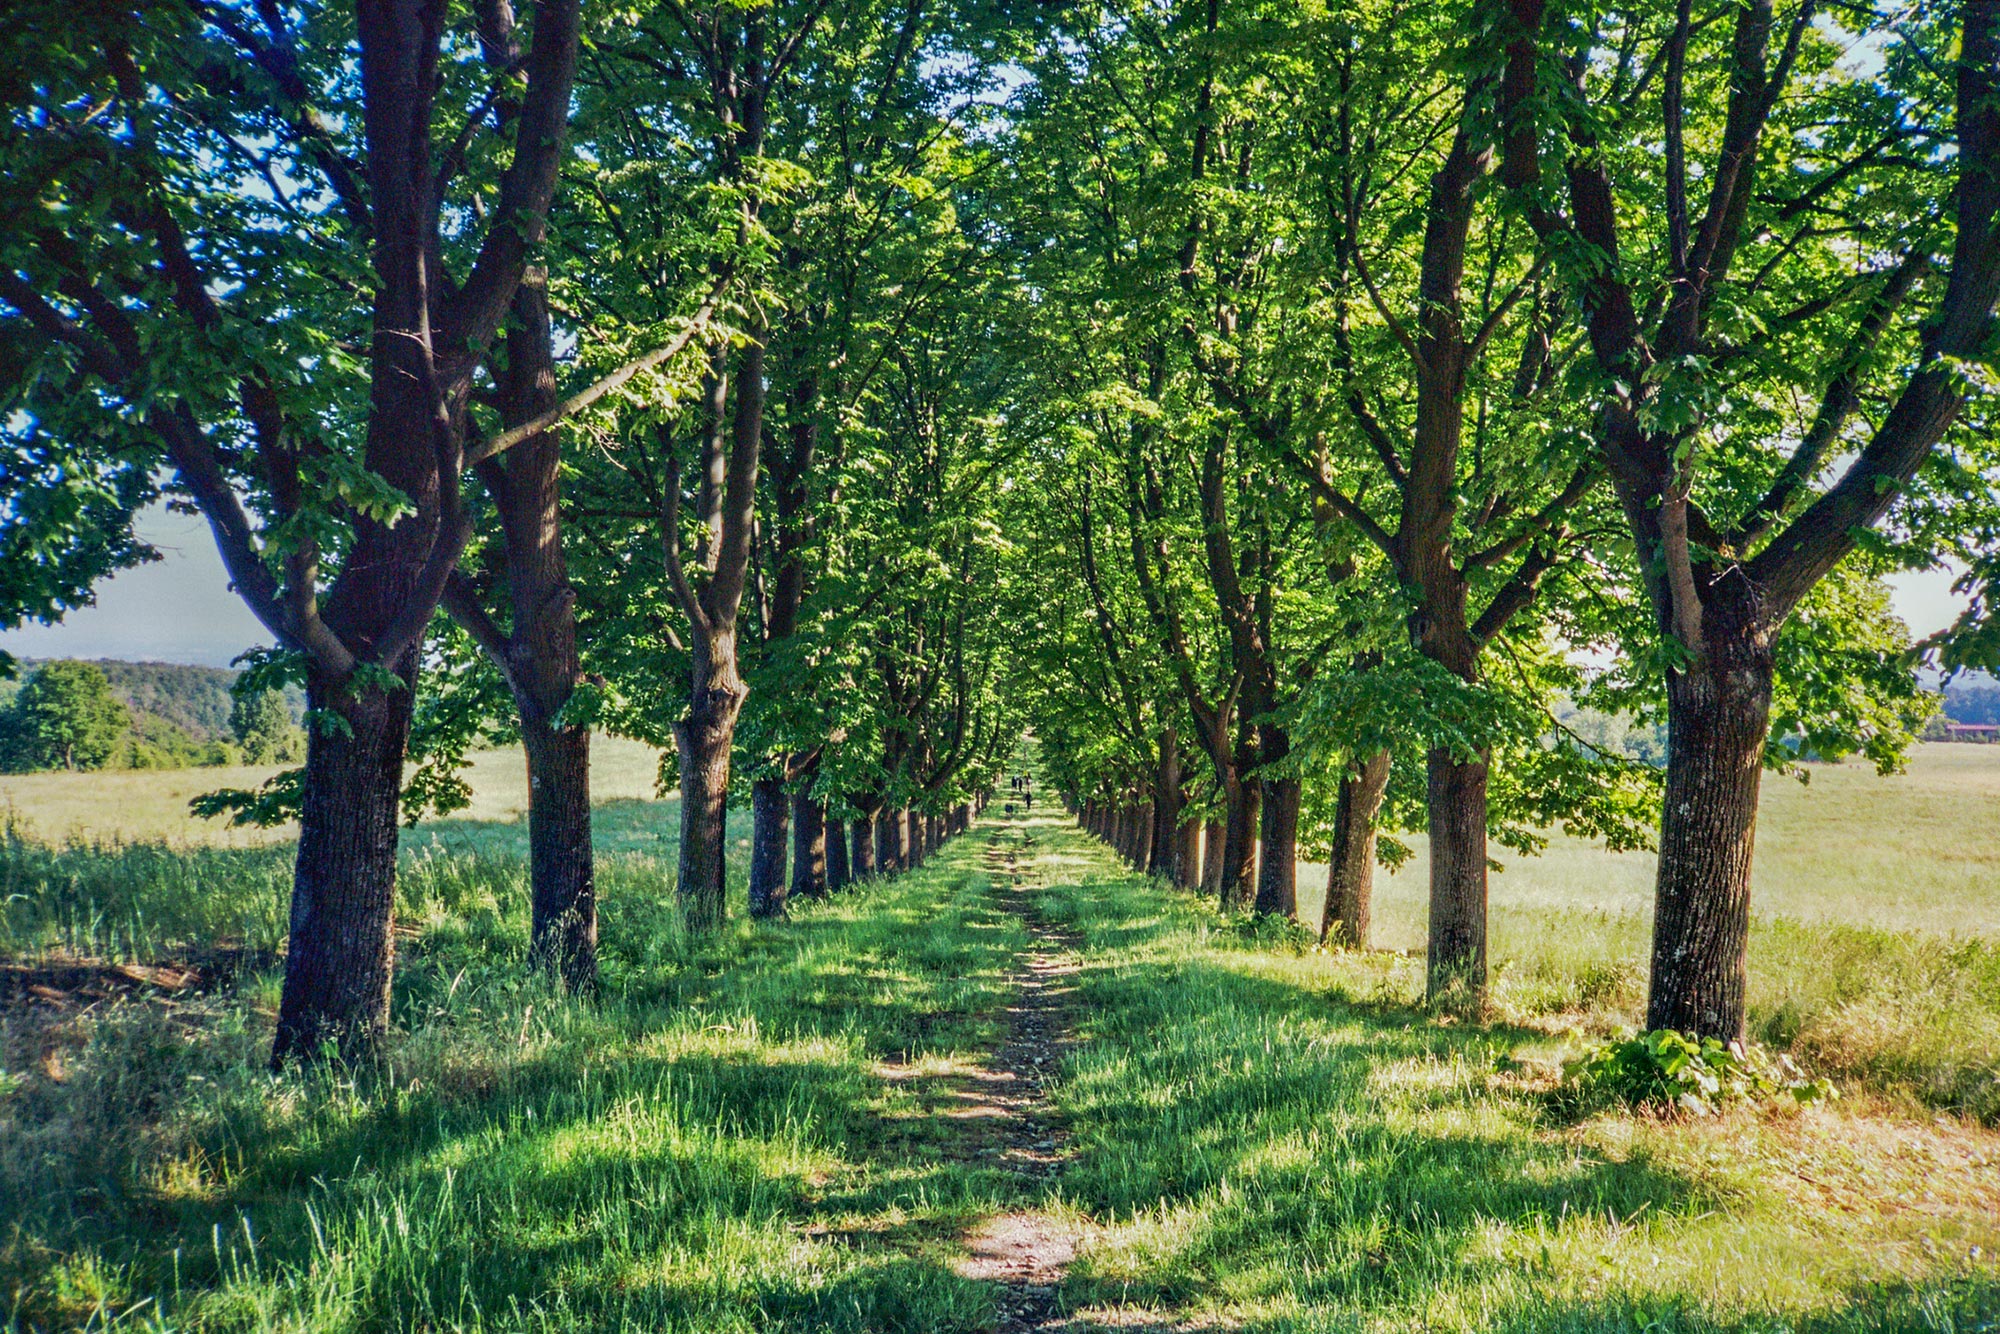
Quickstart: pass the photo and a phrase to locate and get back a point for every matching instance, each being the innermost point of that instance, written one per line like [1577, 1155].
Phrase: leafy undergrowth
[1276, 1140]
[1668, 1071]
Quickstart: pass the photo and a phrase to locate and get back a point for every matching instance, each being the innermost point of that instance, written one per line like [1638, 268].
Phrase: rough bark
[1187, 851]
[1214, 836]
[889, 842]
[1162, 858]
[562, 935]
[861, 847]
[341, 951]
[1718, 714]
[809, 878]
[770, 827]
[703, 740]
[538, 655]
[1350, 871]
[1277, 868]
[1457, 803]
[839, 875]
[1239, 845]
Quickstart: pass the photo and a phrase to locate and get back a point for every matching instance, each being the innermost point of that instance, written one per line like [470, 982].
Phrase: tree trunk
[340, 953]
[808, 848]
[1162, 858]
[1718, 717]
[838, 874]
[1213, 836]
[861, 847]
[889, 842]
[1350, 870]
[1277, 871]
[1457, 801]
[1142, 836]
[704, 739]
[562, 936]
[1239, 845]
[770, 827]
[1187, 851]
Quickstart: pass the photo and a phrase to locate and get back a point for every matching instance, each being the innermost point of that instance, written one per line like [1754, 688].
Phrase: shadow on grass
[656, 1159]
[1297, 1141]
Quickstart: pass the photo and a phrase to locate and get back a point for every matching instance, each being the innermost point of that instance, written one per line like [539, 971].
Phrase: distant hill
[1973, 699]
[194, 699]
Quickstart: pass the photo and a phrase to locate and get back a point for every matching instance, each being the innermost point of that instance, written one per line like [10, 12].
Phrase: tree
[263, 727]
[67, 718]
[276, 246]
[1845, 257]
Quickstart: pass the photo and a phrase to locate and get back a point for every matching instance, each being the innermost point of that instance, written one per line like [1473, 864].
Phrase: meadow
[751, 1132]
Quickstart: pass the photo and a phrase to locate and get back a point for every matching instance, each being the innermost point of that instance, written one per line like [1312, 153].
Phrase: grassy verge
[1318, 1153]
[708, 1147]
[1259, 1137]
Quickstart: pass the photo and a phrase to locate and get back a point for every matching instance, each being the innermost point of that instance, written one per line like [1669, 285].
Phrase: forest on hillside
[143, 715]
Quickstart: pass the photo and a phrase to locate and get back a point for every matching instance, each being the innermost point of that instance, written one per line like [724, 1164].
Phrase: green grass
[1261, 1137]
[519, 1161]
[1916, 851]
[1289, 1141]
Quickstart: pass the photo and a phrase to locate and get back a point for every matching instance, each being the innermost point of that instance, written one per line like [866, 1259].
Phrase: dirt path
[1025, 1251]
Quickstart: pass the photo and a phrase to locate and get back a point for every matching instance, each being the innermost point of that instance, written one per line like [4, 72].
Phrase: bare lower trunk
[1457, 801]
[562, 936]
[808, 848]
[1213, 836]
[1350, 870]
[838, 874]
[1162, 858]
[1142, 836]
[861, 847]
[340, 953]
[1718, 715]
[1187, 852]
[890, 831]
[1278, 863]
[770, 828]
[1239, 845]
[704, 739]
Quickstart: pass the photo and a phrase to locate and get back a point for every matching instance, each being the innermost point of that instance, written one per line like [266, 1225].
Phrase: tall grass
[1277, 1139]
[136, 901]
[654, 1159]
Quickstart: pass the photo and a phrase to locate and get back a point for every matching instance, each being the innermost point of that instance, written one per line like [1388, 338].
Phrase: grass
[1259, 1138]
[519, 1161]
[145, 805]
[1319, 1153]
[1913, 851]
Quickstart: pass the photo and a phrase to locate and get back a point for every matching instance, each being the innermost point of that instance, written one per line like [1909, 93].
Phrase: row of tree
[1280, 407]
[490, 339]
[1425, 373]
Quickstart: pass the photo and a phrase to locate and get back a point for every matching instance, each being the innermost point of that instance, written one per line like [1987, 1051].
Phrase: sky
[180, 609]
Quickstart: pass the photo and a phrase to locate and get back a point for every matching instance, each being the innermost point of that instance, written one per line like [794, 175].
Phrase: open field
[153, 803]
[822, 1124]
[1913, 851]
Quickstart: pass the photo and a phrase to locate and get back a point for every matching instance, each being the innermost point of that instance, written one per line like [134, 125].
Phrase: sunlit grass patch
[1320, 1152]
